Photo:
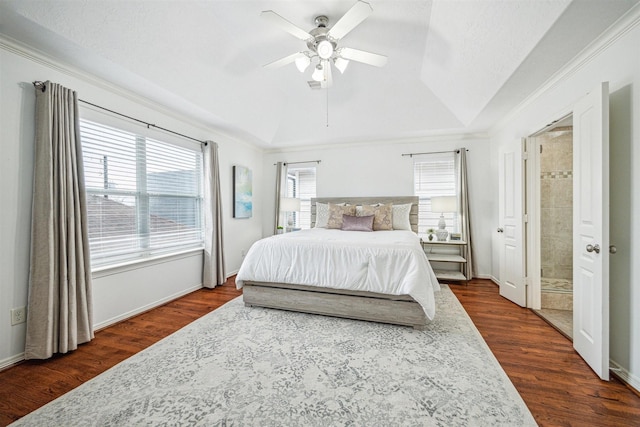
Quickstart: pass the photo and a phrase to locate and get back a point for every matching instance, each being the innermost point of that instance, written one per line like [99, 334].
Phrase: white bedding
[388, 262]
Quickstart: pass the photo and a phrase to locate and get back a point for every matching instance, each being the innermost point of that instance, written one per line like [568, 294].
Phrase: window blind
[301, 183]
[434, 175]
[144, 196]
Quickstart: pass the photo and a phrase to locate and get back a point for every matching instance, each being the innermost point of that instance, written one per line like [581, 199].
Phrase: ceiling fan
[322, 44]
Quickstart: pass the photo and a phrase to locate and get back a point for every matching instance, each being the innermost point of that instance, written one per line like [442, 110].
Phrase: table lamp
[441, 205]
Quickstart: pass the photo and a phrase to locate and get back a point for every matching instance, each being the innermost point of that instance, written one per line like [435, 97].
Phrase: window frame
[450, 187]
[302, 218]
[143, 197]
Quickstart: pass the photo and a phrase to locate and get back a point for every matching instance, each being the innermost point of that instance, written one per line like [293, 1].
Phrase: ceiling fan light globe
[318, 73]
[341, 64]
[302, 62]
[324, 49]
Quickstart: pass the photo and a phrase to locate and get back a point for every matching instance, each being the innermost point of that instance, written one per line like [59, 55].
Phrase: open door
[591, 229]
[510, 211]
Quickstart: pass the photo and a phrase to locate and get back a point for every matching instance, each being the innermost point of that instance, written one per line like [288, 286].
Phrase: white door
[591, 229]
[510, 211]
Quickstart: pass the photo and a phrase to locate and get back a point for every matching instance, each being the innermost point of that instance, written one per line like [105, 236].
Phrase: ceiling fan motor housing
[324, 50]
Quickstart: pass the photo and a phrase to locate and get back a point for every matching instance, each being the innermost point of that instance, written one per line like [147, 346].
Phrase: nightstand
[447, 253]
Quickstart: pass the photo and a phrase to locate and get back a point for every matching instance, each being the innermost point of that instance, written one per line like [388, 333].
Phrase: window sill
[109, 270]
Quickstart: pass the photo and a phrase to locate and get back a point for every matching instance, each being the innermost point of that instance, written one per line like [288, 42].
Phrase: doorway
[555, 213]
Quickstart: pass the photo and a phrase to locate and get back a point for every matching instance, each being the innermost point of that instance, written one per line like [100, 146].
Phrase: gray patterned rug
[244, 366]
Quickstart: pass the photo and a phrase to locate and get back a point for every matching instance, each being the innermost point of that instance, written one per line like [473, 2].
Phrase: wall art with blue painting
[242, 192]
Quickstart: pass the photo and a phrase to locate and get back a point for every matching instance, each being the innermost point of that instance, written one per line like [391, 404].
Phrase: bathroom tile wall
[556, 203]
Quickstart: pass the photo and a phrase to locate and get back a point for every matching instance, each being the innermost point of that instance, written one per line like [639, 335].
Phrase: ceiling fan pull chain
[327, 107]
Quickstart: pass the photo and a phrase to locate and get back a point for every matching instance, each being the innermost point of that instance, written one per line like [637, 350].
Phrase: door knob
[500, 229]
[593, 248]
[612, 249]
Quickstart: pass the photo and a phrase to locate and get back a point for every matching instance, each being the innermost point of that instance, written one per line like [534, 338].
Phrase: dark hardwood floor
[557, 386]
[555, 383]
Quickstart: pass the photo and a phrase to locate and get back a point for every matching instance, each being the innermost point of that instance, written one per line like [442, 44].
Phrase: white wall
[379, 169]
[122, 292]
[617, 62]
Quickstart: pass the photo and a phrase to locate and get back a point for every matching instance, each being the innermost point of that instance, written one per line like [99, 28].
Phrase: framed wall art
[242, 192]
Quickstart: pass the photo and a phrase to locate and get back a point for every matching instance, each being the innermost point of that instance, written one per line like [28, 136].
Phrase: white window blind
[434, 175]
[301, 184]
[144, 196]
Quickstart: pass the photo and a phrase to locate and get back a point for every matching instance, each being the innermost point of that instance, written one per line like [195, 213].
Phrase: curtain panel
[281, 191]
[59, 314]
[213, 273]
[465, 217]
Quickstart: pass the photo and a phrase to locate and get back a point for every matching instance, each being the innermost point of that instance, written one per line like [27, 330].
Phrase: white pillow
[401, 217]
[322, 215]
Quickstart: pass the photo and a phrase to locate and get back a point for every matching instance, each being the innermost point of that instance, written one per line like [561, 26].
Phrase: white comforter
[388, 262]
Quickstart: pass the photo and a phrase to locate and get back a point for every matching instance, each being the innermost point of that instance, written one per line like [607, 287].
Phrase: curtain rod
[39, 84]
[295, 163]
[432, 152]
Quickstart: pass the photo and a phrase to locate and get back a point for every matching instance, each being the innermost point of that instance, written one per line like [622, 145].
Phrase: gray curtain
[213, 273]
[59, 314]
[465, 217]
[281, 191]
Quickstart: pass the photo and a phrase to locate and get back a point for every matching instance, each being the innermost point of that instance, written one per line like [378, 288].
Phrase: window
[301, 184]
[144, 197]
[434, 175]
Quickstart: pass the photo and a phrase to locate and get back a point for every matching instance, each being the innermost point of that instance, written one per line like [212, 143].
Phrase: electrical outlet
[18, 315]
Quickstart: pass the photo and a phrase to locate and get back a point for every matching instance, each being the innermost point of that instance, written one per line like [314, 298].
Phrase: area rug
[240, 366]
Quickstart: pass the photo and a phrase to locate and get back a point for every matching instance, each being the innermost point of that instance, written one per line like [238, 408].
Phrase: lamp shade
[302, 62]
[318, 73]
[443, 204]
[289, 204]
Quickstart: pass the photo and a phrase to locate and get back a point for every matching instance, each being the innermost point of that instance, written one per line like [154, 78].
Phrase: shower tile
[546, 158]
[545, 193]
[563, 219]
[562, 193]
[546, 250]
[564, 272]
[547, 227]
[563, 252]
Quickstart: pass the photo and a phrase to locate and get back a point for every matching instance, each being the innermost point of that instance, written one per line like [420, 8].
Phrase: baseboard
[147, 307]
[625, 376]
[10, 361]
[494, 280]
[482, 276]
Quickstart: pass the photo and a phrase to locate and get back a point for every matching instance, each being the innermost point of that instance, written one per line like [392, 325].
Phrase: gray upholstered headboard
[398, 200]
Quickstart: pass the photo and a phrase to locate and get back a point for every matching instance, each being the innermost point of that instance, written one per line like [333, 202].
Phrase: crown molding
[440, 136]
[35, 55]
[612, 34]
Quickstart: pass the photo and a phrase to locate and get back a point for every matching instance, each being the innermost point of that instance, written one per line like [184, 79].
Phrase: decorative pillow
[357, 223]
[359, 209]
[336, 212]
[382, 216]
[322, 215]
[401, 217]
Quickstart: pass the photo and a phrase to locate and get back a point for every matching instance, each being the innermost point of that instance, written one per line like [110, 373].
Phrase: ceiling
[454, 66]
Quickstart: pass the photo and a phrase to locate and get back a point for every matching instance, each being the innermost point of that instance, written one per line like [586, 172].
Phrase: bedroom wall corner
[19, 67]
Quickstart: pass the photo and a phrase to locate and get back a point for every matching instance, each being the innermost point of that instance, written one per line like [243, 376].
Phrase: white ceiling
[454, 66]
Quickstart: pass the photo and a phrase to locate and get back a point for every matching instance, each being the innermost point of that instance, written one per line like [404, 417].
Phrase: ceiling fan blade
[350, 20]
[362, 56]
[284, 61]
[290, 28]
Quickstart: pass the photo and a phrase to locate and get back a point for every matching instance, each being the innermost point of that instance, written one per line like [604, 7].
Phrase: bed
[380, 276]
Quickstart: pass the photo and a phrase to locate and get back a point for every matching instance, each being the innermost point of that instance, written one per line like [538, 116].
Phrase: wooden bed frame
[394, 309]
